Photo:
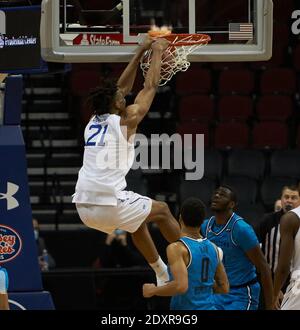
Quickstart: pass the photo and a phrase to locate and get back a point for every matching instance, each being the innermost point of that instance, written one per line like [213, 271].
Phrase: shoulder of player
[177, 248]
[240, 224]
[130, 115]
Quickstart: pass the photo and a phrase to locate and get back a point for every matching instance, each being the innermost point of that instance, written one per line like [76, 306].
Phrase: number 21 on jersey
[97, 135]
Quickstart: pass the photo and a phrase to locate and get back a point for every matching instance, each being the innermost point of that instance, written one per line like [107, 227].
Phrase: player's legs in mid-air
[169, 227]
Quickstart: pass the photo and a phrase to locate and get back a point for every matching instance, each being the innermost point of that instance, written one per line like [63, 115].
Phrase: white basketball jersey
[296, 258]
[108, 157]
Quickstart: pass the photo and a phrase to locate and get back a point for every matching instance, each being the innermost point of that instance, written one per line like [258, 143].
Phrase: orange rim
[175, 39]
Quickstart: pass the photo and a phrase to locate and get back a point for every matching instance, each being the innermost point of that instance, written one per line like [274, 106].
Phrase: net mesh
[175, 56]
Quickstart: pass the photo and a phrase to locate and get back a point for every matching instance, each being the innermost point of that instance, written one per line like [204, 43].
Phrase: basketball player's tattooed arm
[127, 78]
[179, 284]
[259, 261]
[289, 225]
[221, 284]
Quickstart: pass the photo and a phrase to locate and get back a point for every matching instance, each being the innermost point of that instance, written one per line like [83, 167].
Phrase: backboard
[109, 31]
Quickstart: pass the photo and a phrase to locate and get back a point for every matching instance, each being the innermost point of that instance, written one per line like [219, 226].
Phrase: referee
[268, 230]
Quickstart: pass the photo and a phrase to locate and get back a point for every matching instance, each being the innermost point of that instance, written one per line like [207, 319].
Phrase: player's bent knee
[160, 211]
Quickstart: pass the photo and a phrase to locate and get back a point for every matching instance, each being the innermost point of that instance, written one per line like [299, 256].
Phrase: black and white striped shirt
[269, 237]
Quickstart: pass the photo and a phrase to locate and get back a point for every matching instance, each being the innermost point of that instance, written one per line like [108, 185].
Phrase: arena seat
[246, 163]
[196, 107]
[245, 188]
[231, 135]
[278, 81]
[274, 107]
[252, 214]
[196, 80]
[235, 107]
[213, 164]
[286, 163]
[270, 135]
[236, 82]
[296, 58]
[194, 128]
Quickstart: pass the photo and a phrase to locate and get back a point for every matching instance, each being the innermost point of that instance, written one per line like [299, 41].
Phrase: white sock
[161, 271]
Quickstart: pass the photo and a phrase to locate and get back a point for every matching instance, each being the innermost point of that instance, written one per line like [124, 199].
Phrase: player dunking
[100, 198]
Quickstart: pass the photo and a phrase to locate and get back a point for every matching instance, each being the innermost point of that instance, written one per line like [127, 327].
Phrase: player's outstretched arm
[145, 97]
[127, 78]
[179, 284]
[289, 225]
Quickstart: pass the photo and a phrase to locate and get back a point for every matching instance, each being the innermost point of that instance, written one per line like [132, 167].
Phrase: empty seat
[235, 107]
[231, 135]
[213, 164]
[194, 128]
[271, 189]
[286, 163]
[195, 80]
[270, 135]
[274, 107]
[278, 80]
[202, 189]
[248, 163]
[196, 107]
[245, 188]
[236, 82]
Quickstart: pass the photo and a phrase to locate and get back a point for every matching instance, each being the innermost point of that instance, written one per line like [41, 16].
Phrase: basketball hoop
[175, 56]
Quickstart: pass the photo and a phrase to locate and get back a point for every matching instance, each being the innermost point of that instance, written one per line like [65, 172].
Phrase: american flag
[240, 31]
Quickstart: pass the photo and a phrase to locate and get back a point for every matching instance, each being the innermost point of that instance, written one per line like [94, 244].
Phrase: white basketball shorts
[131, 211]
[291, 299]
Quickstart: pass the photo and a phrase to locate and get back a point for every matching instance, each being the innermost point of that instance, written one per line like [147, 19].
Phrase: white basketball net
[175, 56]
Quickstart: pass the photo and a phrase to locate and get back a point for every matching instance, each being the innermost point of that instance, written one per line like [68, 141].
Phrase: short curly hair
[100, 99]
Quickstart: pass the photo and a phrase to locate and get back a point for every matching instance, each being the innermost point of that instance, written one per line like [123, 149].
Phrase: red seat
[195, 80]
[235, 107]
[196, 107]
[280, 80]
[274, 107]
[270, 135]
[236, 82]
[194, 128]
[232, 135]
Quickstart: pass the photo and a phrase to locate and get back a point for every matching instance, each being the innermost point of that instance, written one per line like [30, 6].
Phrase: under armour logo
[12, 189]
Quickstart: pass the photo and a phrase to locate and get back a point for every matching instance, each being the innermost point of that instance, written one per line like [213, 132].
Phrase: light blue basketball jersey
[234, 238]
[202, 267]
[3, 280]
